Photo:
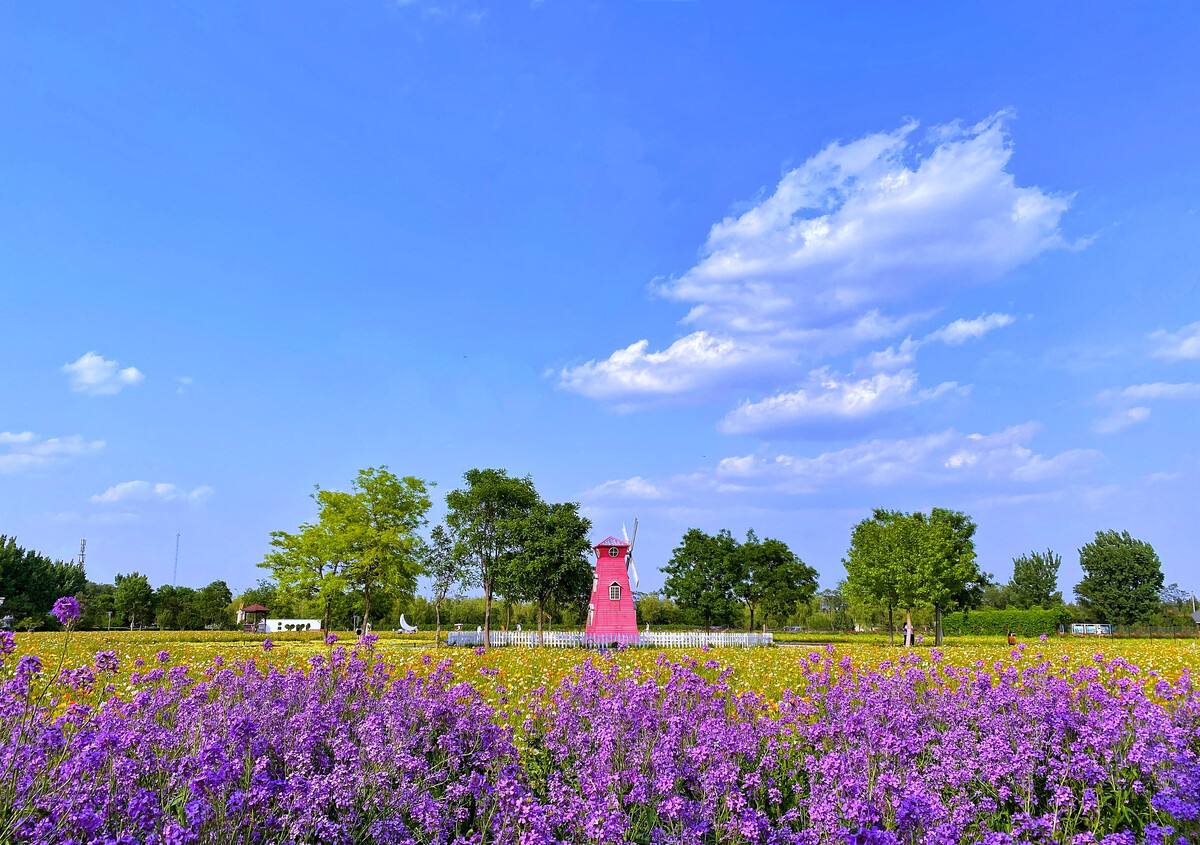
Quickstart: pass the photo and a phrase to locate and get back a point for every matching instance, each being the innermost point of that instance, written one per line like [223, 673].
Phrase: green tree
[1034, 580]
[174, 608]
[210, 606]
[654, 609]
[96, 606]
[1122, 578]
[486, 516]
[947, 573]
[133, 599]
[307, 565]
[702, 574]
[881, 562]
[446, 569]
[771, 577]
[376, 530]
[551, 562]
[268, 594]
[30, 581]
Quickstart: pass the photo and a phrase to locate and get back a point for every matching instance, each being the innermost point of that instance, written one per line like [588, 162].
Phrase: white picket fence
[653, 639]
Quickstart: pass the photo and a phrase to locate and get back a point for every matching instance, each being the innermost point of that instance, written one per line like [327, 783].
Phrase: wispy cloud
[699, 360]
[625, 488]
[130, 491]
[829, 397]
[872, 221]
[1002, 463]
[941, 457]
[26, 451]
[955, 333]
[95, 375]
[876, 222]
[1130, 409]
[960, 331]
[1154, 390]
[1122, 419]
[1182, 345]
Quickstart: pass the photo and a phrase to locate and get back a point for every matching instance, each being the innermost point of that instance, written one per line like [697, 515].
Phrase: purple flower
[8, 643]
[267, 645]
[330, 638]
[66, 610]
[106, 661]
[162, 656]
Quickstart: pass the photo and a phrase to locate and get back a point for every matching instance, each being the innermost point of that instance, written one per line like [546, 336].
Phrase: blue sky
[715, 265]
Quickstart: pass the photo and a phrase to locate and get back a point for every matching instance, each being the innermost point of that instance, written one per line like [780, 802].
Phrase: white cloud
[894, 357]
[127, 491]
[804, 272]
[96, 375]
[871, 221]
[1128, 401]
[25, 450]
[696, 361]
[941, 457]
[1154, 390]
[1122, 419]
[960, 331]
[1183, 345]
[951, 334]
[635, 487]
[829, 396]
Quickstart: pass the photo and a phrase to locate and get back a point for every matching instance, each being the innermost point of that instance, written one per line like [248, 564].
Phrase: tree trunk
[937, 625]
[751, 628]
[891, 628]
[437, 621]
[541, 641]
[326, 617]
[487, 616]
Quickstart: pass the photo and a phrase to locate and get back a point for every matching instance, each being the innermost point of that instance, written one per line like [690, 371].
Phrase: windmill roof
[610, 540]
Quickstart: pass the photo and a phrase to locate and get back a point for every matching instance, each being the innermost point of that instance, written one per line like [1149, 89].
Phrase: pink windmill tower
[612, 617]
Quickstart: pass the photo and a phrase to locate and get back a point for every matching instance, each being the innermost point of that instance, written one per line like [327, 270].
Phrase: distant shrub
[1026, 623]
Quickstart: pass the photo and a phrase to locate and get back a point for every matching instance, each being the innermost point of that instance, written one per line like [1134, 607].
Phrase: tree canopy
[702, 575]
[1122, 578]
[552, 562]
[487, 516]
[1034, 580]
[915, 559]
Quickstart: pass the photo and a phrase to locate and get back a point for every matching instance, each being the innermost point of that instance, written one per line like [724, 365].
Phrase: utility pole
[82, 550]
[175, 571]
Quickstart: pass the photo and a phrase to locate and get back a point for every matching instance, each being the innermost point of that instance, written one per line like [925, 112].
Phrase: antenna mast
[82, 550]
[175, 571]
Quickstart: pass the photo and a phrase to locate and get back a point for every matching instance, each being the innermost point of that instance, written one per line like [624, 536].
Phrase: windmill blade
[625, 533]
[632, 542]
[631, 570]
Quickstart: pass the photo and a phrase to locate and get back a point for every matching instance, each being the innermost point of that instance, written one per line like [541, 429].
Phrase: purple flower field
[348, 750]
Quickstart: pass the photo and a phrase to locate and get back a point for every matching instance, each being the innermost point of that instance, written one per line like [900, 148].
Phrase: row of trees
[901, 560]
[31, 581]
[715, 575]
[916, 560]
[132, 602]
[499, 536]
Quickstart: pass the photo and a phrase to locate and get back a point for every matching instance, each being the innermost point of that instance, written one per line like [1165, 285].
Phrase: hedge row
[1027, 623]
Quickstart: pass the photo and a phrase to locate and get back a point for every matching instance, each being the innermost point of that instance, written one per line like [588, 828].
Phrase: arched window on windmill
[614, 591]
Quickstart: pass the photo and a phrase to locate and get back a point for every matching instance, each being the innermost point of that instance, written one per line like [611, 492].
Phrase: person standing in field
[908, 630]
[1012, 638]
